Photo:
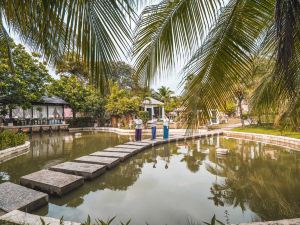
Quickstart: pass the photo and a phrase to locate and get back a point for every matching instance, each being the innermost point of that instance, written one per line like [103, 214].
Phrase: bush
[81, 122]
[10, 139]
[144, 115]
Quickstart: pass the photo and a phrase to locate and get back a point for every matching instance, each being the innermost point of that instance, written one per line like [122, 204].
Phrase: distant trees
[24, 84]
[80, 96]
[121, 103]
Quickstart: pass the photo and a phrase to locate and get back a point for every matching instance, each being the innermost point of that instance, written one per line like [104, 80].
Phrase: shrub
[144, 115]
[81, 122]
[10, 139]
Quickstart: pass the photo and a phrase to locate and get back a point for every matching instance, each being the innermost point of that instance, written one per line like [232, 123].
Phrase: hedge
[10, 139]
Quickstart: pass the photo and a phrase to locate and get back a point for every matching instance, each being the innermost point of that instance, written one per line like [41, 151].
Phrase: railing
[28, 122]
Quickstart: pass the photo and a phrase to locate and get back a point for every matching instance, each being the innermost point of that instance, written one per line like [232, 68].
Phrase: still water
[173, 183]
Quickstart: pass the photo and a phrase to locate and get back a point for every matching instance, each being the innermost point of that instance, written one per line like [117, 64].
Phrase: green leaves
[119, 102]
[168, 32]
[28, 81]
[98, 31]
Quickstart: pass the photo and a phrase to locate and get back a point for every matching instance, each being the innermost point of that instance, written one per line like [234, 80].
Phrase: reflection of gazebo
[154, 107]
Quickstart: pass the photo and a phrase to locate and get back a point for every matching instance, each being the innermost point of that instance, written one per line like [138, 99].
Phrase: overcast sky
[171, 79]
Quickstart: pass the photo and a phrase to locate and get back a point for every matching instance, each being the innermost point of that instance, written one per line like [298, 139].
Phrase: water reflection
[170, 183]
[50, 149]
[188, 180]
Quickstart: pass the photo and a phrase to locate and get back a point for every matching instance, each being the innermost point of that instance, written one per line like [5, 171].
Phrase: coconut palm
[219, 41]
[98, 31]
[164, 93]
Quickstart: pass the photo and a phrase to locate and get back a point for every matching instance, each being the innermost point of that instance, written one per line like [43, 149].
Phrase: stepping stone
[52, 182]
[121, 155]
[152, 142]
[109, 162]
[19, 217]
[130, 151]
[137, 143]
[14, 196]
[130, 146]
[88, 171]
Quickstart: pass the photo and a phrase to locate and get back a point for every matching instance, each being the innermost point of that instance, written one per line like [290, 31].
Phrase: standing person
[153, 127]
[138, 129]
[166, 127]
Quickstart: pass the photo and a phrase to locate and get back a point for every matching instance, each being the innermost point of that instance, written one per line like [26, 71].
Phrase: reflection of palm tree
[193, 158]
[268, 187]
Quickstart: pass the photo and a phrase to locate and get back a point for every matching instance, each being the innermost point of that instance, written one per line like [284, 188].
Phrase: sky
[171, 79]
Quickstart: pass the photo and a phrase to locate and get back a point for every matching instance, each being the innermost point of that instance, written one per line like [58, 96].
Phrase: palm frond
[98, 31]
[168, 32]
[224, 61]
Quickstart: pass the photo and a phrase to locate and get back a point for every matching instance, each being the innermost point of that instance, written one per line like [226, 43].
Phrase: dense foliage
[80, 96]
[99, 31]
[120, 103]
[10, 139]
[221, 43]
[26, 83]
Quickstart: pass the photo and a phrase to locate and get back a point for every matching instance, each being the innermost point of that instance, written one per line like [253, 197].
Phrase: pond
[51, 149]
[173, 183]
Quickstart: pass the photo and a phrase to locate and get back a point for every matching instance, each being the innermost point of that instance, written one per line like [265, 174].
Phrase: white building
[154, 108]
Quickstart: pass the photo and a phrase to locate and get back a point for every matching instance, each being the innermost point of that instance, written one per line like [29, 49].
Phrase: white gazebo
[154, 108]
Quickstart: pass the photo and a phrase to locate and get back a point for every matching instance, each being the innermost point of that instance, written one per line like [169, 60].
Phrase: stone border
[122, 131]
[295, 221]
[13, 152]
[287, 142]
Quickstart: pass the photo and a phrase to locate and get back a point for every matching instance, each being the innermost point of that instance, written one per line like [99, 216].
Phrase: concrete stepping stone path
[19, 217]
[52, 182]
[130, 151]
[14, 196]
[121, 155]
[130, 146]
[109, 162]
[88, 171]
[138, 143]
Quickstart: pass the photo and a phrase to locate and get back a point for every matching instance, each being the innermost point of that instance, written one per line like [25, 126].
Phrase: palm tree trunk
[241, 112]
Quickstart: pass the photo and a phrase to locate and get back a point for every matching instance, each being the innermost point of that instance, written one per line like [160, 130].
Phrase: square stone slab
[121, 155]
[14, 196]
[137, 143]
[130, 151]
[88, 171]
[130, 146]
[19, 217]
[152, 142]
[52, 182]
[109, 162]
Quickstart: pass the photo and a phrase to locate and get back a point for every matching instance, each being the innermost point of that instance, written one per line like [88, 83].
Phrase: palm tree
[98, 31]
[219, 41]
[164, 93]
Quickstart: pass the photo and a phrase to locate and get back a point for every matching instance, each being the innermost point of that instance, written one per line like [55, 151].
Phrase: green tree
[173, 103]
[121, 103]
[164, 93]
[217, 41]
[122, 73]
[28, 81]
[81, 96]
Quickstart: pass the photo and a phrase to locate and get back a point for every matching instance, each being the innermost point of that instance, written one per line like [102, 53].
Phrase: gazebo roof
[52, 100]
[152, 101]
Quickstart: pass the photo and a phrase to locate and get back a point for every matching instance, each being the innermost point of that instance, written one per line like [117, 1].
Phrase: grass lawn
[267, 130]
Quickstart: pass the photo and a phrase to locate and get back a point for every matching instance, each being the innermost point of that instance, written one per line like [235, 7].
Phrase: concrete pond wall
[13, 152]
